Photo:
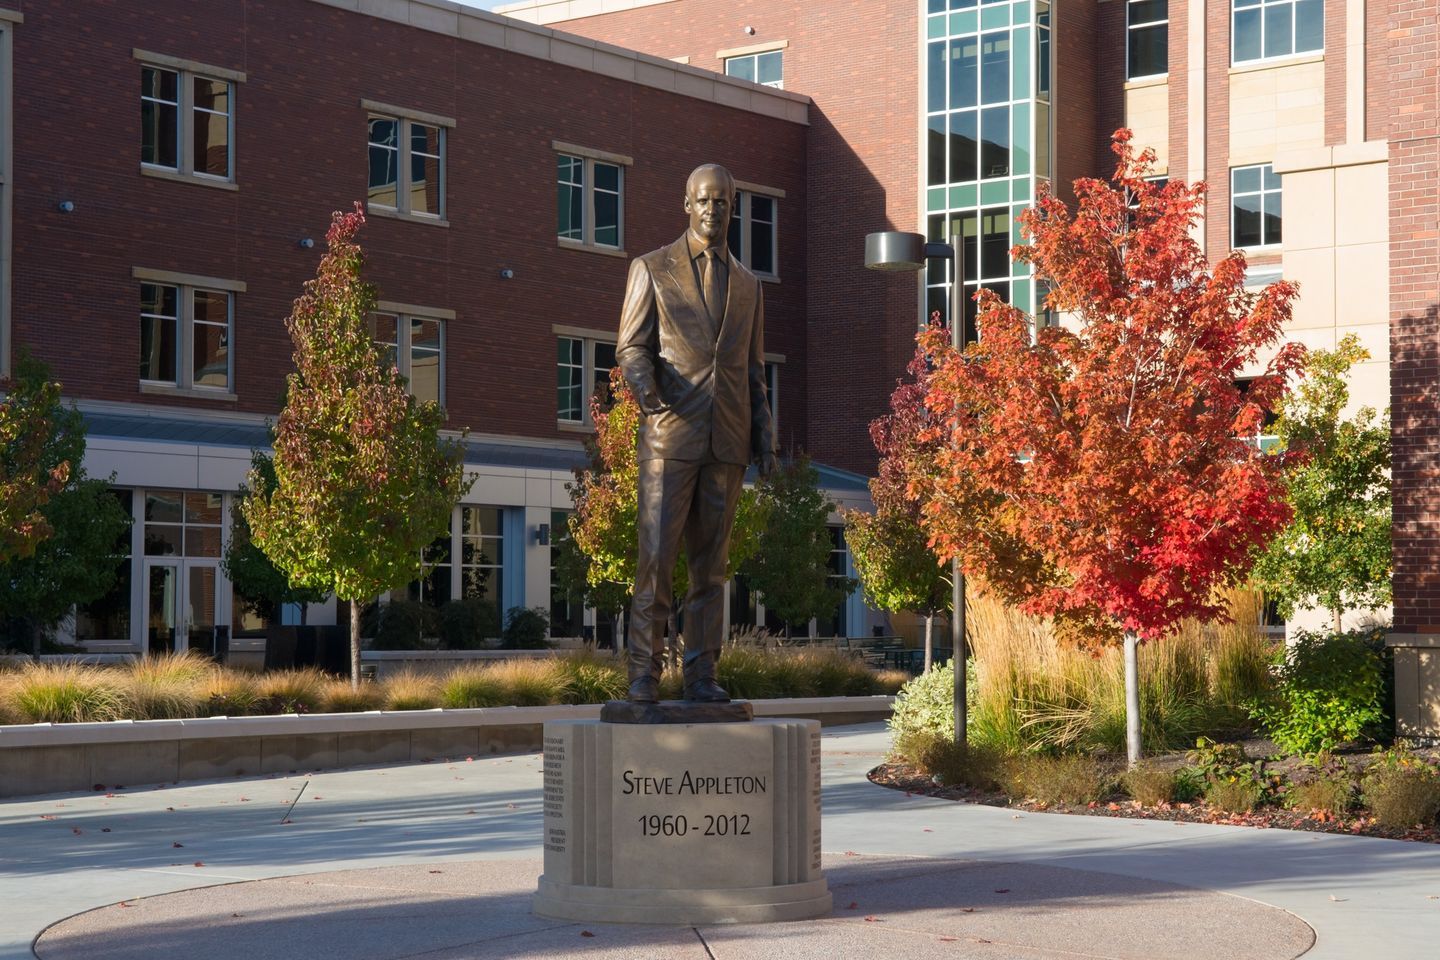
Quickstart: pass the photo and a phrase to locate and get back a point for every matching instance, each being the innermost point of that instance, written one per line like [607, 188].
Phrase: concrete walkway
[1073, 886]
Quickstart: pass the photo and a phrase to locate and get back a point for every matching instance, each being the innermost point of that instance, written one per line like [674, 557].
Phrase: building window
[837, 578]
[985, 262]
[1148, 37]
[1271, 29]
[187, 122]
[415, 346]
[567, 614]
[108, 618]
[754, 232]
[433, 587]
[407, 167]
[182, 524]
[590, 203]
[185, 335]
[766, 68]
[482, 555]
[1254, 207]
[582, 371]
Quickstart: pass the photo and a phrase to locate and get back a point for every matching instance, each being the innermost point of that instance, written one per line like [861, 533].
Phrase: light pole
[897, 252]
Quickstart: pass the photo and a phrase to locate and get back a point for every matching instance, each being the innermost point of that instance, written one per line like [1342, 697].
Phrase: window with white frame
[582, 371]
[1273, 29]
[590, 205]
[767, 69]
[1254, 207]
[187, 121]
[415, 345]
[1147, 24]
[185, 336]
[407, 165]
[482, 555]
[754, 232]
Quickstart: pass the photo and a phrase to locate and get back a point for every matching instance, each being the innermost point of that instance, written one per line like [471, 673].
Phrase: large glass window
[1147, 38]
[415, 346]
[754, 232]
[407, 166]
[182, 524]
[567, 616]
[186, 122]
[482, 555]
[185, 335]
[1271, 29]
[590, 201]
[764, 68]
[1254, 207]
[108, 618]
[582, 370]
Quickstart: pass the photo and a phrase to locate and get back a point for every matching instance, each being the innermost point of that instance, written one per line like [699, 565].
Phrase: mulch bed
[901, 776]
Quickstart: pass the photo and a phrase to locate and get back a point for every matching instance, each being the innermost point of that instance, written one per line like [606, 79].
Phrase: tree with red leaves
[1101, 472]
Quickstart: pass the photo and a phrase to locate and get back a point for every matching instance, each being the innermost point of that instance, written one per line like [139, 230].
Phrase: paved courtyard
[438, 861]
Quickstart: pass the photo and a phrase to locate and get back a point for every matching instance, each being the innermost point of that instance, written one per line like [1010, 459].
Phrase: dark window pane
[163, 539]
[995, 244]
[108, 618]
[1042, 55]
[1247, 221]
[732, 237]
[480, 520]
[969, 229]
[211, 355]
[202, 541]
[383, 176]
[384, 132]
[935, 61]
[1309, 26]
[159, 84]
[163, 506]
[607, 177]
[212, 144]
[964, 71]
[995, 142]
[1247, 35]
[158, 134]
[1149, 55]
[569, 205]
[762, 243]
[937, 305]
[1272, 217]
[425, 360]
[607, 219]
[995, 68]
[935, 169]
[158, 345]
[1278, 41]
[203, 507]
[742, 68]
[1148, 11]
[963, 161]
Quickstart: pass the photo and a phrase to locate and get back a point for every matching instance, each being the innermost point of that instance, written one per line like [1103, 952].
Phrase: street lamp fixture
[898, 252]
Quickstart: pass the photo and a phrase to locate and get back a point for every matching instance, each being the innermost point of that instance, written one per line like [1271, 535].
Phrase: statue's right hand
[650, 403]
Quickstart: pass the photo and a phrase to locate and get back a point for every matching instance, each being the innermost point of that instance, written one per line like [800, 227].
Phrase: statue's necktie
[713, 279]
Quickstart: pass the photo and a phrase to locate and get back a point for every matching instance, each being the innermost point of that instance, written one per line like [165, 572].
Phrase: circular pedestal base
[793, 901]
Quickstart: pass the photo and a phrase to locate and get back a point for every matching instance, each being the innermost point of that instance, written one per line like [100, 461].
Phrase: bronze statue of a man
[691, 346]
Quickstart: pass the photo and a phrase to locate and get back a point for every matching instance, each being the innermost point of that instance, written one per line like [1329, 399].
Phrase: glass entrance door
[180, 604]
[201, 592]
[162, 606]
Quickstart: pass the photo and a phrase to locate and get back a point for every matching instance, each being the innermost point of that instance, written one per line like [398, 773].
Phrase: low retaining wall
[53, 758]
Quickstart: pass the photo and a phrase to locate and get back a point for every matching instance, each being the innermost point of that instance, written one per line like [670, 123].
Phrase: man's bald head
[709, 171]
[710, 200]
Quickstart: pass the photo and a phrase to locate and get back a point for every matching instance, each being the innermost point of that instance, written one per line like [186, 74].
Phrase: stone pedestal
[682, 823]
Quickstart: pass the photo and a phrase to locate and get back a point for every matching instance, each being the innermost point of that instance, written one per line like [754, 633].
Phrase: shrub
[1329, 690]
[66, 693]
[1326, 784]
[406, 690]
[291, 691]
[1232, 781]
[1401, 789]
[1237, 795]
[1189, 785]
[940, 758]
[467, 624]
[749, 673]
[400, 625]
[1067, 778]
[229, 693]
[470, 687]
[1149, 785]
[926, 704]
[525, 629]
[591, 680]
[166, 686]
[339, 697]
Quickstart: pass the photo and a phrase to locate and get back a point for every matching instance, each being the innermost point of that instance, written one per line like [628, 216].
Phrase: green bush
[1401, 789]
[1326, 783]
[400, 625]
[942, 760]
[926, 704]
[467, 624]
[591, 680]
[525, 629]
[1232, 781]
[1329, 689]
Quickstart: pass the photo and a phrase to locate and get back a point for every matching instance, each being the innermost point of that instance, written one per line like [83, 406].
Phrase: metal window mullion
[587, 205]
[587, 379]
[620, 206]
[402, 348]
[230, 338]
[184, 342]
[185, 121]
[456, 574]
[402, 171]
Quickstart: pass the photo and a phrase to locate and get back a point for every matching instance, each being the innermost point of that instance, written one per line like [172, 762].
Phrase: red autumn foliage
[1104, 472]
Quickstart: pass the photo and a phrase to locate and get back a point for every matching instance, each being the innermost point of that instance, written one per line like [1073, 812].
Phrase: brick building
[509, 174]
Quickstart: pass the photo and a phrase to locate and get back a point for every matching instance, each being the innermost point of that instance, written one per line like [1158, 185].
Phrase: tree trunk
[1132, 698]
[304, 613]
[354, 644]
[929, 640]
[1336, 613]
[37, 637]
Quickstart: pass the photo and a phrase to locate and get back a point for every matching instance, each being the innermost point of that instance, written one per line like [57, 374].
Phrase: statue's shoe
[645, 690]
[705, 691]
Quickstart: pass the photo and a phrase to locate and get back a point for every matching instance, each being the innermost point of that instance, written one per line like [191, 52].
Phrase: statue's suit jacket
[710, 371]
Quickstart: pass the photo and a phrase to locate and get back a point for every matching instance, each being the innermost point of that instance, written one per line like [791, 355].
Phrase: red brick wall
[1377, 65]
[1334, 71]
[1413, 90]
[300, 154]
[859, 63]
[1078, 137]
[1217, 128]
[1179, 57]
[1110, 41]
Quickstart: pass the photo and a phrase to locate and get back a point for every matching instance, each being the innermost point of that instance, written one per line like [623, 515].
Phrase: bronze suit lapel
[738, 299]
[682, 274]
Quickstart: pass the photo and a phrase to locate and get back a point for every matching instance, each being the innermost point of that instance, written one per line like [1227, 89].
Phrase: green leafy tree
[1335, 553]
[77, 561]
[263, 587]
[363, 482]
[27, 480]
[897, 568]
[791, 564]
[598, 563]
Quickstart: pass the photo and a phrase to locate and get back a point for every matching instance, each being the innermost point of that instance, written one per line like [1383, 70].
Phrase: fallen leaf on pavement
[199, 863]
[586, 933]
[1002, 890]
[1338, 899]
[873, 919]
[176, 844]
[853, 906]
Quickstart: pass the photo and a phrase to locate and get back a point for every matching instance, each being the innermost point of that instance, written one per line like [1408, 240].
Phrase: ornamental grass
[65, 693]
[166, 687]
